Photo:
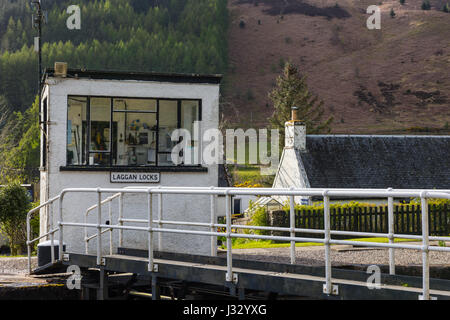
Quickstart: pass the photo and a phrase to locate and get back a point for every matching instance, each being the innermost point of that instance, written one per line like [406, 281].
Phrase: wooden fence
[407, 220]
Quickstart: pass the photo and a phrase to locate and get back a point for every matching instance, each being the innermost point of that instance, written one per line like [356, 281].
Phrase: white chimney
[295, 132]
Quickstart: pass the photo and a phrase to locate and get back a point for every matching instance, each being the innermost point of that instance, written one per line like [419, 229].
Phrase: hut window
[106, 131]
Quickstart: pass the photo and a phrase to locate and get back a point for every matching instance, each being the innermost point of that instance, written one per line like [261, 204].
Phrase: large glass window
[137, 128]
[76, 131]
[105, 131]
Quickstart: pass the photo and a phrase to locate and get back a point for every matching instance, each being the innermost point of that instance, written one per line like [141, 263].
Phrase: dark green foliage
[426, 5]
[402, 2]
[14, 206]
[19, 147]
[292, 90]
[137, 35]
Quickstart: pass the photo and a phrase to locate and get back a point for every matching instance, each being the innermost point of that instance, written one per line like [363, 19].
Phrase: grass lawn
[262, 244]
[19, 256]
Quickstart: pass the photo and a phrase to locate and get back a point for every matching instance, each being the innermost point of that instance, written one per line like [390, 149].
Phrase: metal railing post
[292, 226]
[29, 243]
[213, 221]
[425, 249]
[52, 235]
[99, 228]
[229, 275]
[120, 219]
[326, 209]
[160, 218]
[111, 230]
[151, 266]
[60, 226]
[86, 242]
[391, 234]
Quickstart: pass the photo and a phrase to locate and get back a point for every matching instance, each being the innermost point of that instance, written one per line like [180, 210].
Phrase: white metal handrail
[89, 210]
[51, 233]
[390, 194]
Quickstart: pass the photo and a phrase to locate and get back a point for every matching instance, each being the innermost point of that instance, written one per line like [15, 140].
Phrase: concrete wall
[176, 207]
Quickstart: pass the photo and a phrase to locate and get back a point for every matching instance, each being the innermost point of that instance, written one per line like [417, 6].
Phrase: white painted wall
[183, 208]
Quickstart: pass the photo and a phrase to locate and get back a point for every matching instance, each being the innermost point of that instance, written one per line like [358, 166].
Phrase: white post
[213, 221]
[150, 232]
[425, 244]
[60, 226]
[160, 218]
[326, 210]
[391, 234]
[292, 225]
[86, 241]
[229, 275]
[28, 243]
[111, 230]
[99, 229]
[120, 219]
[52, 236]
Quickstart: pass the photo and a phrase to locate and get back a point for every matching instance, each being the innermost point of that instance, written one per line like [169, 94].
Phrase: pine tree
[292, 90]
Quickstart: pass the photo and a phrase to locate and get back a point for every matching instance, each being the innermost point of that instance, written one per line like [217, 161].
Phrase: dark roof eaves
[140, 76]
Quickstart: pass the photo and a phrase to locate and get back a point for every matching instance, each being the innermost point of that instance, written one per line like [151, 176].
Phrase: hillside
[137, 35]
[392, 80]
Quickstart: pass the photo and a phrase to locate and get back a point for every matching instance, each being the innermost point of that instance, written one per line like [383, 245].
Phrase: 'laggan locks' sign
[134, 177]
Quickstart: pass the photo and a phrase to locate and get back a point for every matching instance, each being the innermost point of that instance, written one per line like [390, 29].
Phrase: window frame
[87, 148]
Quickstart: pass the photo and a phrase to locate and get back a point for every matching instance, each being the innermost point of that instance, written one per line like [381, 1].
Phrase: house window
[107, 131]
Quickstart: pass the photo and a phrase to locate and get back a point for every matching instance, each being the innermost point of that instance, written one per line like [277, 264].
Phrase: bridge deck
[292, 280]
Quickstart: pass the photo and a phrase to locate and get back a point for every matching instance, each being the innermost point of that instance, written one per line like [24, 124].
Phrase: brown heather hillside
[392, 80]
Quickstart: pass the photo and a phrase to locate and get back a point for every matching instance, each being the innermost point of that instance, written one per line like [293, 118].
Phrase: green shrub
[14, 206]
[259, 217]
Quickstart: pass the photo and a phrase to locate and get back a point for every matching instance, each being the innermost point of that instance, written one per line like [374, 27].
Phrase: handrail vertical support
[151, 266]
[52, 236]
[29, 243]
[111, 230]
[328, 287]
[120, 219]
[60, 226]
[292, 226]
[99, 228]
[86, 241]
[391, 234]
[229, 275]
[213, 221]
[160, 218]
[425, 248]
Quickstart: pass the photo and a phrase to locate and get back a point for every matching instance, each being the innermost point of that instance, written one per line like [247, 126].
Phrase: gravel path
[16, 265]
[342, 255]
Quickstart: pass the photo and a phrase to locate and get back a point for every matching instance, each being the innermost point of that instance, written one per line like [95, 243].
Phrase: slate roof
[405, 162]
